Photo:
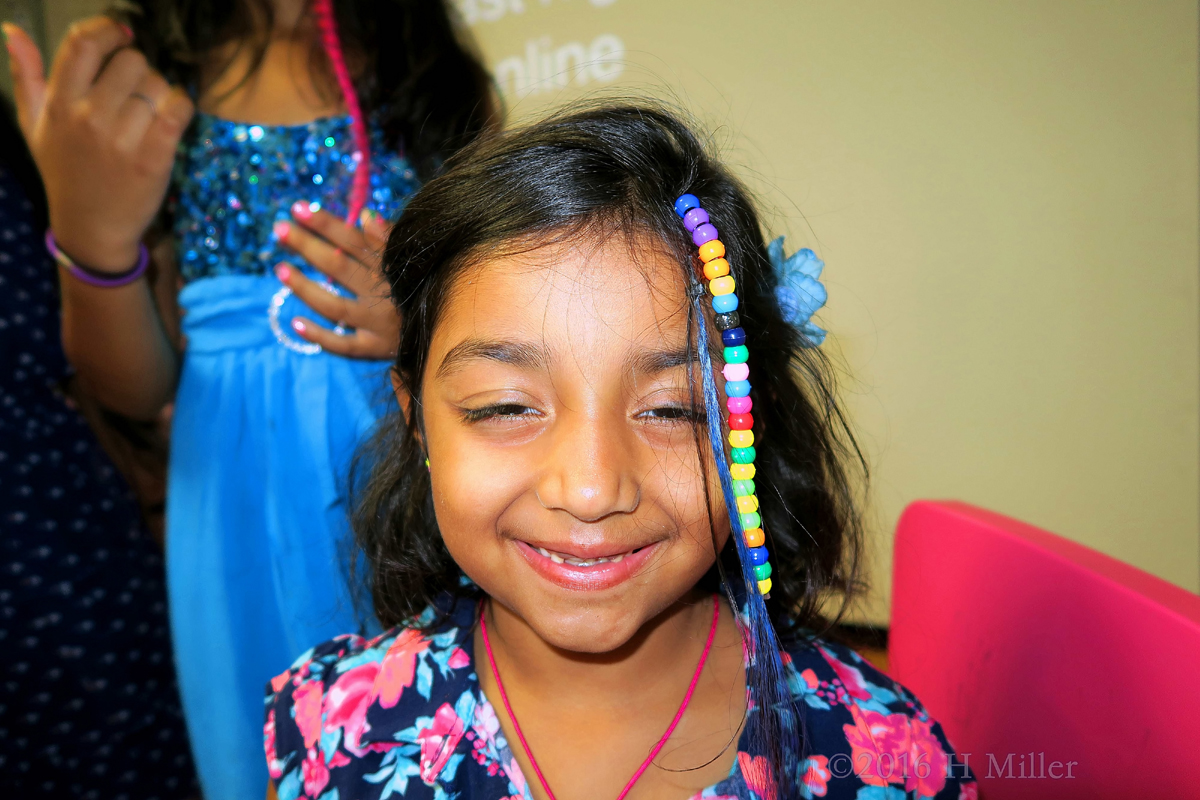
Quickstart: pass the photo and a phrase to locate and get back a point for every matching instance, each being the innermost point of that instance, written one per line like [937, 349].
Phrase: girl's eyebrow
[652, 362]
[528, 356]
[517, 354]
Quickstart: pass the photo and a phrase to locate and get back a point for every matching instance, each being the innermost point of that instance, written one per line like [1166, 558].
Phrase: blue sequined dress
[264, 430]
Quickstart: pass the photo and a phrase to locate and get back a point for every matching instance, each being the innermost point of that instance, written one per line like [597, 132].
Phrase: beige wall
[1005, 194]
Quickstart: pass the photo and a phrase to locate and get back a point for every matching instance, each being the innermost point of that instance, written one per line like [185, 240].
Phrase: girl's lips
[593, 578]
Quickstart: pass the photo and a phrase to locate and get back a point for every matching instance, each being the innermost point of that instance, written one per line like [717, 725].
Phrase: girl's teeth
[579, 562]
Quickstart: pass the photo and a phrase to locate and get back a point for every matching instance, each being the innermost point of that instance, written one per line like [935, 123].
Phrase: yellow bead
[722, 285]
[754, 537]
[742, 472]
[741, 438]
[716, 268]
[711, 250]
[747, 504]
[764, 587]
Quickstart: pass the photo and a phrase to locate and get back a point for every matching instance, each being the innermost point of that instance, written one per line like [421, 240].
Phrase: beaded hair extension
[778, 731]
[323, 10]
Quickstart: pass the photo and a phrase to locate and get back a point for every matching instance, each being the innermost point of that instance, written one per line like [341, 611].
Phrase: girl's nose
[590, 472]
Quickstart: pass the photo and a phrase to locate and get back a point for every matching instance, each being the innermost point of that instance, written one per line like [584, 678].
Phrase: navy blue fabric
[88, 703]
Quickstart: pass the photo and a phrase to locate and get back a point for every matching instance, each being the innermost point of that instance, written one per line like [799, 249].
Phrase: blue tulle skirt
[257, 533]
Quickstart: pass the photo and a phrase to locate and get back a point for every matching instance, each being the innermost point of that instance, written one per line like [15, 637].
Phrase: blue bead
[733, 337]
[758, 555]
[723, 304]
[686, 203]
[737, 388]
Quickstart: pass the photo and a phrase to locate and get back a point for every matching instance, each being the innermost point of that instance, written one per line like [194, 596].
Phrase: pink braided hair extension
[323, 9]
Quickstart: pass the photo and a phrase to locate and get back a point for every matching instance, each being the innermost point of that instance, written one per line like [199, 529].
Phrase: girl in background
[307, 116]
[614, 501]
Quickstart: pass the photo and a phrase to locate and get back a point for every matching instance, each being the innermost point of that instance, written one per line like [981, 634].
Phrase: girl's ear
[405, 399]
[402, 395]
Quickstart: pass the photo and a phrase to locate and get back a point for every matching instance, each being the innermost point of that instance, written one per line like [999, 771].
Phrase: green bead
[762, 571]
[750, 521]
[736, 355]
[743, 488]
[743, 455]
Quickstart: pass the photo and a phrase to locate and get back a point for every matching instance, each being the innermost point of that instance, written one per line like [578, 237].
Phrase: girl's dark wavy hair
[416, 74]
[602, 168]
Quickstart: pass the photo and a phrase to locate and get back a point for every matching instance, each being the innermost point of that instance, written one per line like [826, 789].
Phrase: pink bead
[695, 218]
[736, 372]
[704, 233]
[738, 405]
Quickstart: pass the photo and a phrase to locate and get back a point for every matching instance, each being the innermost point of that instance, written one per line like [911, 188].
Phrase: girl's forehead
[614, 293]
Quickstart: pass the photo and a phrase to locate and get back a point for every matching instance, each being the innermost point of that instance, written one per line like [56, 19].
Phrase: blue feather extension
[775, 727]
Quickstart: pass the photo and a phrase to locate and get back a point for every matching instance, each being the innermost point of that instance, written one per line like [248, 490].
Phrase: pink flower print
[307, 702]
[485, 724]
[274, 765]
[399, 666]
[513, 770]
[458, 659]
[894, 748]
[815, 777]
[810, 679]
[756, 772]
[347, 702]
[877, 743]
[314, 773]
[968, 791]
[279, 681]
[439, 741]
[850, 676]
[928, 762]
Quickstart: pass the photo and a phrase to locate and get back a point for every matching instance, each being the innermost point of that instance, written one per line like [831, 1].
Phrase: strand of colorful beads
[737, 385]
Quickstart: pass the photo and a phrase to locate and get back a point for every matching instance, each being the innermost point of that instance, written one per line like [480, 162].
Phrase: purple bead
[695, 218]
[704, 233]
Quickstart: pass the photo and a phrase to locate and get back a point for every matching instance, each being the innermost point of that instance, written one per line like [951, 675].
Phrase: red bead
[741, 422]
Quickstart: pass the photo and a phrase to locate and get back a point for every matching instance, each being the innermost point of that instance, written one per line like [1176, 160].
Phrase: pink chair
[1062, 672]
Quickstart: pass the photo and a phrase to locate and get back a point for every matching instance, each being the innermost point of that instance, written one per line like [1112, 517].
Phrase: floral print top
[403, 715]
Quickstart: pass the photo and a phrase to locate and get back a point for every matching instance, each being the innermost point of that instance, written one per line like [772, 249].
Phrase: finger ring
[148, 100]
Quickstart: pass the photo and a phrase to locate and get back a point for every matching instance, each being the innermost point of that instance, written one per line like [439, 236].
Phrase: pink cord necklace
[687, 698]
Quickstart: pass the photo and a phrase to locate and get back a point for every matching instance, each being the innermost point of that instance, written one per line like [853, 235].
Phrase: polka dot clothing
[88, 704]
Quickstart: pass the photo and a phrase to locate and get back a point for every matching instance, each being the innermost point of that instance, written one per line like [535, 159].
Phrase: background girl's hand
[350, 257]
[103, 131]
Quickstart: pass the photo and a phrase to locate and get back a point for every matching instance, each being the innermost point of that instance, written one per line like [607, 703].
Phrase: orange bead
[716, 268]
[711, 250]
[722, 285]
[754, 537]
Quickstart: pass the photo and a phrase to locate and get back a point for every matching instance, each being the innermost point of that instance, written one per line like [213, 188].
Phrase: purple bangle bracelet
[92, 277]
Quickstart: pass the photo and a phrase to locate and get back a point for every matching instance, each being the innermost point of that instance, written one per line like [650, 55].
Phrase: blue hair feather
[776, 727]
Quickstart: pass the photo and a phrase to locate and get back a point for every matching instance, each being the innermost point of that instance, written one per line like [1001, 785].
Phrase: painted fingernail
[128, 30]
[281, 229]
[301, 210]
[283, 272]
[298, 326]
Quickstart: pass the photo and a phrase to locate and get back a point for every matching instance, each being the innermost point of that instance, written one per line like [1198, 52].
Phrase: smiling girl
[602, 550]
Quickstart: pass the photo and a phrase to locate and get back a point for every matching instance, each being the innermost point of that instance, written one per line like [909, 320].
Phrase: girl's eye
[502, 410]
[674, 414]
